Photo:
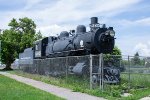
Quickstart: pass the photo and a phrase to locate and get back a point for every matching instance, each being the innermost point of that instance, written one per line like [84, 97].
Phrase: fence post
[66, 68]
[90, 71]
[129, 72]
[100, 71]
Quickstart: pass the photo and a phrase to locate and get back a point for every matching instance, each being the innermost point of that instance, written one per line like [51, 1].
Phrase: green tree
[26, 28]
[23, 26]
[116, 51]
[9, 47]
[38, 35]
[136, 59]
[21, 35]
[114, 58]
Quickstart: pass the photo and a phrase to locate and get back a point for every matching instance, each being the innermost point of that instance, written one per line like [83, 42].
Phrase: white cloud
[131, 23]
[148, 42]
[144, 21]
[54, 30]
[67, 11]
[31, 3]
[143, 49]
[76, 10]
[52, 18]
[130, 44]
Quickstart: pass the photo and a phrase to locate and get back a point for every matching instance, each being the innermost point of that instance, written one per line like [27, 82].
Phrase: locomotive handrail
[70, 56]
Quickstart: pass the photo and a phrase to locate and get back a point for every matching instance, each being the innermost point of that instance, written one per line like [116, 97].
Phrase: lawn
[112, 92]
[13, 90]
[137, 79]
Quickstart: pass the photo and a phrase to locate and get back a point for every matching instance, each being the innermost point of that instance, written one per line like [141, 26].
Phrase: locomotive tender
[99, 39]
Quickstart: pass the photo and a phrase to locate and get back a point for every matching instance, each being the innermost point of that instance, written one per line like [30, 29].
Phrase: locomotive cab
[40, 48]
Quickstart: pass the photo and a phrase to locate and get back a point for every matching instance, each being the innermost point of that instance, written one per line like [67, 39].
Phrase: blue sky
[130, 18]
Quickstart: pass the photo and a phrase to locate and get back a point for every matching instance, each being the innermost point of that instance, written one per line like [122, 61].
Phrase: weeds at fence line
[135, 76]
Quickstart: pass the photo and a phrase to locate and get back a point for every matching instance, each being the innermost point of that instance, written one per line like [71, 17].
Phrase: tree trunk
[8, 67]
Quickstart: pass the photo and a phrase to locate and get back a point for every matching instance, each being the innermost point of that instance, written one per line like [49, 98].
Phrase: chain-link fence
[134, 72]
[73, 70]
[138, 69]
[102, 72]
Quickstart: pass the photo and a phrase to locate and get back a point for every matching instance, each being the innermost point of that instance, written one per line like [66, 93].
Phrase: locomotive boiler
[99, 39]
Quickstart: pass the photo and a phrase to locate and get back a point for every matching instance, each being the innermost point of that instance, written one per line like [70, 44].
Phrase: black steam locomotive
[99, 39]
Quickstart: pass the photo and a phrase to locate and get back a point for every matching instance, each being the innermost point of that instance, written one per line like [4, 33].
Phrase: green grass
[112, 92]
[137, 94]
[13, 90]
[137, 79]
[72, 82]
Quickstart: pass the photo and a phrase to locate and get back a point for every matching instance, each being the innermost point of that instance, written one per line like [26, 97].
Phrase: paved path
[146, 98]
[61, 92]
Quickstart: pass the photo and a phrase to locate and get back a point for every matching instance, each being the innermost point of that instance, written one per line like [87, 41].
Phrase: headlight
[112, 33]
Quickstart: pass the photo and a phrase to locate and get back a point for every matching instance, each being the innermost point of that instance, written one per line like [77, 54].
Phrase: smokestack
[94, 23]
[94, 20]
